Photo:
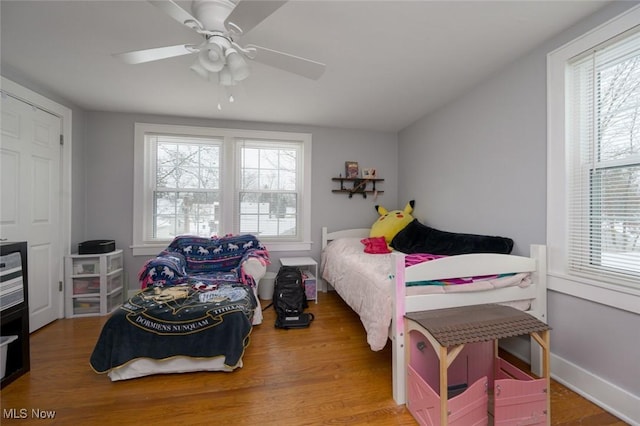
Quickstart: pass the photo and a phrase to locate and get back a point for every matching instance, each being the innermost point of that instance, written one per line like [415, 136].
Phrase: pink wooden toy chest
[454, 373]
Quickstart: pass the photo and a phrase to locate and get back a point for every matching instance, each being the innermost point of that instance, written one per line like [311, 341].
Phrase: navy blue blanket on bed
[419, 238]
[159, 323]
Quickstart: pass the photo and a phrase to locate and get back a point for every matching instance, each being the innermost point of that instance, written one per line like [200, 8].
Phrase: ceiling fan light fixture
[211, 57]
[219, 22]
[225, 78]
[199, 69]
[237, 64]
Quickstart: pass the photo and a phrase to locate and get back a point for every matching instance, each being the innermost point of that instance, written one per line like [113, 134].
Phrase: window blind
[603, 110]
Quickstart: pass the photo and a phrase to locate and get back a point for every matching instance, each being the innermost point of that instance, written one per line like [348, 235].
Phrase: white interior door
[30, 207]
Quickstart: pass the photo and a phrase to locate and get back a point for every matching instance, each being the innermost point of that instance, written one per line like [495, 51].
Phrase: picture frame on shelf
[369, 173]
[351, 169]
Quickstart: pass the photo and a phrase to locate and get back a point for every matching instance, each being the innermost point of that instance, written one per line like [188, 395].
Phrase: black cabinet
[14, 309]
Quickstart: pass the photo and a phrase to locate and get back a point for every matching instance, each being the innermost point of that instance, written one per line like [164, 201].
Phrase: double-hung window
[184, 186]
[207, 181]
[268, 189]
[604, 161]
[593, 220]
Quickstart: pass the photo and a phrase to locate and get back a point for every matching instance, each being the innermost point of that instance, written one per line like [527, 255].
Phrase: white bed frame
[453, 267]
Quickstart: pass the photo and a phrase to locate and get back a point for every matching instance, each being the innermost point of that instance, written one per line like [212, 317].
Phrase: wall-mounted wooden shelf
[352, 186]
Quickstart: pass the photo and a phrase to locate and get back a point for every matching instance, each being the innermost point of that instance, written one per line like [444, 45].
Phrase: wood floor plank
[325, 374]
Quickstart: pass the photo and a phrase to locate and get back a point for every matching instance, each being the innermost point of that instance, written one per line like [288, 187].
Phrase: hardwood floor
[325, 374]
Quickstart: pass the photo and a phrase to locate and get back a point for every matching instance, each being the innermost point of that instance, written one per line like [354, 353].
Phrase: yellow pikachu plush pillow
[391, 222]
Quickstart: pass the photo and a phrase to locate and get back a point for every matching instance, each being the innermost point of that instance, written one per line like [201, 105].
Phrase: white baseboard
[617, 401]
[518, 347]
[610, 397]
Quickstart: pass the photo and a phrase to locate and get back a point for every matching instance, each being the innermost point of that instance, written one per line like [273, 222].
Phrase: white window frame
[239, 144]
[228, 184]
[621, 297]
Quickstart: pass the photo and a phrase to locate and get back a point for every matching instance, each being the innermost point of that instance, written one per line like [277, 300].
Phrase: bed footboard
[536, 293]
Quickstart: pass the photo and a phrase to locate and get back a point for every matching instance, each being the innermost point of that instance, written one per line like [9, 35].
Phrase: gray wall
[109, 177]
[479, 165]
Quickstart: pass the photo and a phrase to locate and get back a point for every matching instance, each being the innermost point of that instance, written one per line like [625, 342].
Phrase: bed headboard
[354, 233]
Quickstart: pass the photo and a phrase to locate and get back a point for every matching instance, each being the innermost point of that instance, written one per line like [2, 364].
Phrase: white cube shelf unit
[94, 284]
[309, 268]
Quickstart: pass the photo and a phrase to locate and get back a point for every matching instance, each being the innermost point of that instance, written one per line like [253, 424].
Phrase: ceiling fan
[220, 23]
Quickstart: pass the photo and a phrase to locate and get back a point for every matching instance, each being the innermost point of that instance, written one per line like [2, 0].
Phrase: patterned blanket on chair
[189, 258]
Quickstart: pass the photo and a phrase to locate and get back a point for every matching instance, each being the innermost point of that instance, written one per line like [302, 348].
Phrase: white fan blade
[291, 63]
[247, 14]
[148, 55]
[175, 11]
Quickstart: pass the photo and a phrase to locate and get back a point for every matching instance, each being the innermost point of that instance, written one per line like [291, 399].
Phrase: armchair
[203, 262]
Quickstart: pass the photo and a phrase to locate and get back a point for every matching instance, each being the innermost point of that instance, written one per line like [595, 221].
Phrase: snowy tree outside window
[604, 161]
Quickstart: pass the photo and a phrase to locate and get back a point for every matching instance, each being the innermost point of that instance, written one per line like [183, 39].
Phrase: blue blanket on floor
[160, 323]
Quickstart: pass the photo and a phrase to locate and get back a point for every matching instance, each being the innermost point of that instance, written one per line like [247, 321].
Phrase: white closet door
[30, 208]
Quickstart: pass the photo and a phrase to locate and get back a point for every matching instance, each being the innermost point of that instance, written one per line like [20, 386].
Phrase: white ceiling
[388, 62]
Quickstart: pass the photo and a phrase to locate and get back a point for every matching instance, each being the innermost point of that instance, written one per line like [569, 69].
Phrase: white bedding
[365, 283]
[180, 364]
